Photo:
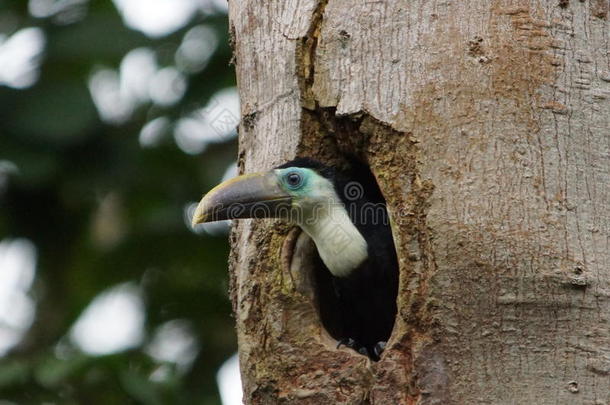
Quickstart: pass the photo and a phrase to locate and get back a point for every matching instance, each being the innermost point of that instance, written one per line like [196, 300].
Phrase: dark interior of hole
[376, 280]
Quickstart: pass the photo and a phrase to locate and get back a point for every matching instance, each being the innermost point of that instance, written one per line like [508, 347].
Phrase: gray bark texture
[487, 126]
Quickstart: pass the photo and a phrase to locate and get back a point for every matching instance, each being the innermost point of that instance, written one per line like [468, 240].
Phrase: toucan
[344, 213]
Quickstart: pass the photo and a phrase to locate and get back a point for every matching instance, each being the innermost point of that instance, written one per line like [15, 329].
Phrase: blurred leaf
[140, 388]
[13, 373]
[52, 372]
[57, 112]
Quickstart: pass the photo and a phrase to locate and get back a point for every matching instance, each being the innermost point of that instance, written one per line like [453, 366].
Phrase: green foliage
[76, 172]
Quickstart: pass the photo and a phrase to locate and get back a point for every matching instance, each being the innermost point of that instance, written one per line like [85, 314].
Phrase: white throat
[339, 243]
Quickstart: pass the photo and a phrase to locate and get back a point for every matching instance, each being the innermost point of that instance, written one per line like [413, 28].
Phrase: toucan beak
[255, 195]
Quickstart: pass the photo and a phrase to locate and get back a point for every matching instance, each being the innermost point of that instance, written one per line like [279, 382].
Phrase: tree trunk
[486, 124]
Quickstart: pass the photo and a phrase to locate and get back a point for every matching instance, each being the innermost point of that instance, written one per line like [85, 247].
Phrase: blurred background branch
[114, 117]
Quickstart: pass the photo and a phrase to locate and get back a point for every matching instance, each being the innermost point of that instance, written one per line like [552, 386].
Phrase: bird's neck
[341, 246]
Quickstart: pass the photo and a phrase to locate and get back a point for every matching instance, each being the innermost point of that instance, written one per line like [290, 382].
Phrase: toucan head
[291, 190]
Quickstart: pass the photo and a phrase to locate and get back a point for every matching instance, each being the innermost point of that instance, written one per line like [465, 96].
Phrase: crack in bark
[306, 56]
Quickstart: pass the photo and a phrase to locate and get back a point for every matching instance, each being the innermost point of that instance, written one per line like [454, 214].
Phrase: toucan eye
[294, 180]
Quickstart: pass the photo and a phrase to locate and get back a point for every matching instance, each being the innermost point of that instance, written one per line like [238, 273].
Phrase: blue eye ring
[293, 180]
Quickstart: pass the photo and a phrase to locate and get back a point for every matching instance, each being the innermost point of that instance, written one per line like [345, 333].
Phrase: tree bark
[486, 124]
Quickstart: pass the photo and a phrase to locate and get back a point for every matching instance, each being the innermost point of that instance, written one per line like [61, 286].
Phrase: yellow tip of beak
[200, 213]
